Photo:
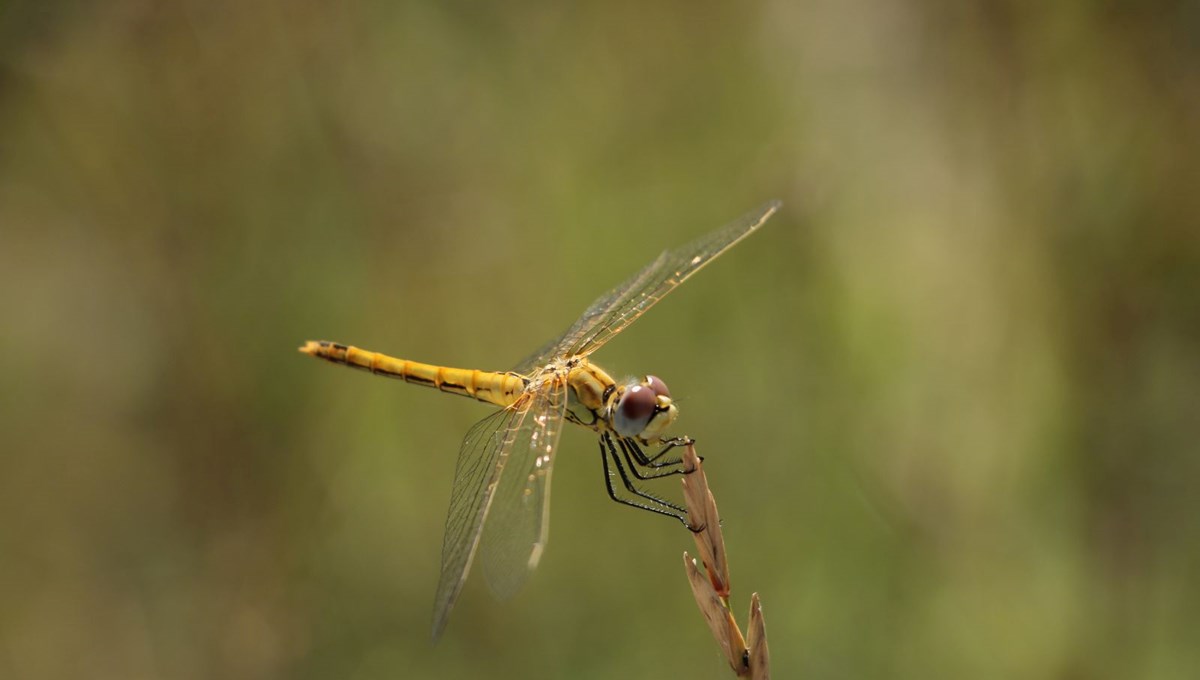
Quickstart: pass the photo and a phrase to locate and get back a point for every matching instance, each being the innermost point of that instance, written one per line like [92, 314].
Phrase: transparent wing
[518, 438]
[480, 462]
[622, 305]
[517, 526]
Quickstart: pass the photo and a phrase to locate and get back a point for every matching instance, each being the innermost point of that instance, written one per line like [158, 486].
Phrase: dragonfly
[500, 497]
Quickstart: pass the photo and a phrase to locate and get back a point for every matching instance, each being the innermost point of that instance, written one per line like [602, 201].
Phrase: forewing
[621, 306]
[517, 526]
[481, 459]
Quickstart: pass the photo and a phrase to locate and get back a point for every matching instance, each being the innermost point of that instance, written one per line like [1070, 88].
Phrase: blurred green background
[949, 397]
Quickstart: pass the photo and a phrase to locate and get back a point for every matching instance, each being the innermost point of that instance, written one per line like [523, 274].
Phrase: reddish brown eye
[659, 387]
[634, 410]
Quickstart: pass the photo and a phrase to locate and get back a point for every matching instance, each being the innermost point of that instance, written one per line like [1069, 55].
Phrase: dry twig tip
[747, 658]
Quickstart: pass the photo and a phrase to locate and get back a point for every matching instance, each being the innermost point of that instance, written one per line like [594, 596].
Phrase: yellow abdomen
[501, 389]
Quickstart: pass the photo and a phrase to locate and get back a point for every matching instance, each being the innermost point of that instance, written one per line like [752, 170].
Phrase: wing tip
[439, 627]
[769, 208]
[441, 614]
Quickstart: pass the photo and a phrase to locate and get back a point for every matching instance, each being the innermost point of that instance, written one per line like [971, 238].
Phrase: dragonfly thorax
[641, 409]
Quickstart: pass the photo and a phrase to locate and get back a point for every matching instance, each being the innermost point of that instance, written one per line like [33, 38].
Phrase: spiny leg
[635, 458]
[640, 493]
[629, 483]
[604, 456]
[669, 444]
[612, 493]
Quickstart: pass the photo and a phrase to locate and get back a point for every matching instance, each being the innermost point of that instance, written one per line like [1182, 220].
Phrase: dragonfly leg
[629, 485]
[667, 445]
[669, 509]
[636, 458]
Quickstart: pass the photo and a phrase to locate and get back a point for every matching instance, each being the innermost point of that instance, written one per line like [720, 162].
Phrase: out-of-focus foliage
[949, 398]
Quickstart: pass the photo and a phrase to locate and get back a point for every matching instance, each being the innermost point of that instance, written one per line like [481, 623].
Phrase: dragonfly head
[643, 409]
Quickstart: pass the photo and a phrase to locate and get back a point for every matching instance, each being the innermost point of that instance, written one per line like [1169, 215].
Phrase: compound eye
[659, 387]
[634, 410]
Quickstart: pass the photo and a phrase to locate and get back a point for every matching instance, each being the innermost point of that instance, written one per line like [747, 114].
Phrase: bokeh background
[949, 397]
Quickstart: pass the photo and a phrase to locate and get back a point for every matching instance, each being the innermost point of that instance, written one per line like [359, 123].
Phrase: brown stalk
[747, 656]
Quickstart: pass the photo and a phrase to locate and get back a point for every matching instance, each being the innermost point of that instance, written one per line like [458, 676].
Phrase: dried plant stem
[747, 656]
